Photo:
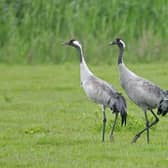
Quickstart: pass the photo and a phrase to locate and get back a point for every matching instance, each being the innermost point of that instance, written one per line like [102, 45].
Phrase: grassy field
[31, 30]
[47, 121]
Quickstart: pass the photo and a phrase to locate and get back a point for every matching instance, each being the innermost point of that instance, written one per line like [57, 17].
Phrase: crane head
[73, 43]
[118, 42]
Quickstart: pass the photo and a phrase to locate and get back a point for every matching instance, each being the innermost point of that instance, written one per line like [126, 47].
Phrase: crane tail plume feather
[163, 105]
[122, 109]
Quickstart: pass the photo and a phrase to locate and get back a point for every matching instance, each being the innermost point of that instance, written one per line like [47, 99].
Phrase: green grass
[31, 31]
[47, 121]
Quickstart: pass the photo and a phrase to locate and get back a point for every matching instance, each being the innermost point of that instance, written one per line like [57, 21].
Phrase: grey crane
[100, 91]
[142, 92]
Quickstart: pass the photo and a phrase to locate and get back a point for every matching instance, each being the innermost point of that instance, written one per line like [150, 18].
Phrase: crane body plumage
[100, 91]
[142, 92]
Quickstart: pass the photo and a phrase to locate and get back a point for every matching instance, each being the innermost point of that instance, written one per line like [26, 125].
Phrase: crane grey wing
[142, 92]
[98, 90]
[102, 93]
[149, 93]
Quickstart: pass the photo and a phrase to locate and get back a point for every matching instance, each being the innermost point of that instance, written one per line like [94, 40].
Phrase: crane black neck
[80, 54]
[120, 57]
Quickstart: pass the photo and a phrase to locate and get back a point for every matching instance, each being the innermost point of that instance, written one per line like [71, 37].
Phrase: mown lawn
[47, 121]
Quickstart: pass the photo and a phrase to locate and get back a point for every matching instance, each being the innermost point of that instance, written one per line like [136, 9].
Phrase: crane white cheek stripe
[77, 43]
[122, 43]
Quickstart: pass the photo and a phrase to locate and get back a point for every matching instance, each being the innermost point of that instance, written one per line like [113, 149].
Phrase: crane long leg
[149, 126]
[104, 122]
[113, 127]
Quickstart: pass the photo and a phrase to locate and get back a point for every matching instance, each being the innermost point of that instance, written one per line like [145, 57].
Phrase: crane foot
[111, 138]
[135, 138]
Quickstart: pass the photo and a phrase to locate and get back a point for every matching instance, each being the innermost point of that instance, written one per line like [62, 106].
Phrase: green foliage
[47, 121]
[32, 31]
[36, 130]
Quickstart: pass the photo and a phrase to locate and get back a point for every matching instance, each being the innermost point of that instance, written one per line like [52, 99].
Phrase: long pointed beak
[112, 43]
[65, 43]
